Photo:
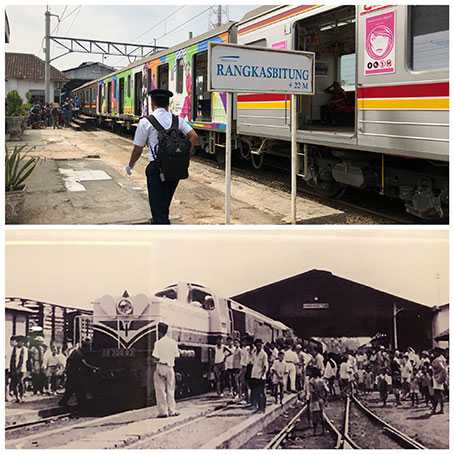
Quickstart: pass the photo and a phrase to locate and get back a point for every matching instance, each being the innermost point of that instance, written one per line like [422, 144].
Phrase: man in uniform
[160, 193]
[165, 351]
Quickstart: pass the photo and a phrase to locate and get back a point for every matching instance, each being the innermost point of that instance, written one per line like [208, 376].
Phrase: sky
[138, 24]
[74, 267]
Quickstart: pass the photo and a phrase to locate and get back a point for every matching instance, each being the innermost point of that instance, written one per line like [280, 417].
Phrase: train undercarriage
[422, 185]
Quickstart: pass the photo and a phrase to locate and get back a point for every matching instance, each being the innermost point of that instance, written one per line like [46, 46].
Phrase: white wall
[23, 86]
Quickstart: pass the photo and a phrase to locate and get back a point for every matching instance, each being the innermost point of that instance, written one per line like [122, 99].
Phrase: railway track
[363, 429]
[37, 422]
[358, 204]
[356, 428]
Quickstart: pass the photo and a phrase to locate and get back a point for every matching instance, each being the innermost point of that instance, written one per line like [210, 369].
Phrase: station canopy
[318, 303]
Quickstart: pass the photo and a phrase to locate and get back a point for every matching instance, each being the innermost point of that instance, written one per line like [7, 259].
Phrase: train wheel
[245, 150]
[257, 160]
[331, 189]
[220, 157]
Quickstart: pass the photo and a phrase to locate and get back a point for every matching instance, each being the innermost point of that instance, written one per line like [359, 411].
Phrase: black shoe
[162, 416]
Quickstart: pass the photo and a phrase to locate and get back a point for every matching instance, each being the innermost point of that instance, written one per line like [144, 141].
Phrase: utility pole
[47, 15]
[47, 56]
[219, 15]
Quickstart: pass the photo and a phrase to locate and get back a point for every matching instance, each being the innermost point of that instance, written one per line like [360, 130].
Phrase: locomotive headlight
[124, 307]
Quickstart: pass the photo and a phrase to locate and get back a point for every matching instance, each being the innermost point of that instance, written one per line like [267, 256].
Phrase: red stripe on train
[263, 97]
[271, 19]
[405, 91]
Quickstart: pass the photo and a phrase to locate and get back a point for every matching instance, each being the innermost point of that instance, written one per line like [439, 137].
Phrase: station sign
[315, 306]
[246, 69]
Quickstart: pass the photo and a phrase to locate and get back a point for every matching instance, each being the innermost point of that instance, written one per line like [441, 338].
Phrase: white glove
[128, 170]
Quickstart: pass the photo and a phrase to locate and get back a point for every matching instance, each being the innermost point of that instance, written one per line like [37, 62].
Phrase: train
[391, 61]
[60, 324]
[125, 329]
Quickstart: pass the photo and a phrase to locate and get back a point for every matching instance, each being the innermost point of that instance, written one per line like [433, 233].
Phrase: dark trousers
[17, 384]
[258, 397]
[160, 194]
[38, 382]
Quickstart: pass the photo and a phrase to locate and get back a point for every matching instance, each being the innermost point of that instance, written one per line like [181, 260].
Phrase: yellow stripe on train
[404, 104]
[264, 105]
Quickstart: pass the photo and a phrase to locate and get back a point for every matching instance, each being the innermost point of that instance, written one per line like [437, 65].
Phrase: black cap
[160, 93]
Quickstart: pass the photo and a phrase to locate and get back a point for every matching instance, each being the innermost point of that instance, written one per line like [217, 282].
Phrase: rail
[278, 439]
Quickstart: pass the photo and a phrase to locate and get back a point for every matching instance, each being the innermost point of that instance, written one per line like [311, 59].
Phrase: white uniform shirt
[229, 358]
[146, 133]
[291, 357]
[219, 354]
[166, 350]
[245, 356]
[259, 364]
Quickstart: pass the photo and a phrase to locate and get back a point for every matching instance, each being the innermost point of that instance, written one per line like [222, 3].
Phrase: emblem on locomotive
[124, 306]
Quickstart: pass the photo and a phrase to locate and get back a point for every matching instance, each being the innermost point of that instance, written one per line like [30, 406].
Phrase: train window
[429, 37]
[129, 86]
[180, 74]
[163, 76]
[170, 293]
[258, 43]
[347, 71]
[204, 298]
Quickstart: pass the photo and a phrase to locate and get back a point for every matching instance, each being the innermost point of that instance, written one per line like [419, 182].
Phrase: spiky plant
[18, 167]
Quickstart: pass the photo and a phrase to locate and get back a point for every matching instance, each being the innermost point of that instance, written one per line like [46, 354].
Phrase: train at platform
[125, 330]
[391, 135]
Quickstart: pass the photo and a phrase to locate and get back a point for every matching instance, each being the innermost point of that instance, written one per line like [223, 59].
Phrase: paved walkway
[81, 181]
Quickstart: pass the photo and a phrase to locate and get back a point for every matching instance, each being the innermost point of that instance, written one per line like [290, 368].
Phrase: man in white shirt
[18, 368]
[291, 359]
[160, 191]
[258, 376]
[221, 352]
[165, 351]
[245, 359]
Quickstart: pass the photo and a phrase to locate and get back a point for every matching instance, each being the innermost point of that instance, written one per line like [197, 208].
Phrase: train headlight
[124, 307]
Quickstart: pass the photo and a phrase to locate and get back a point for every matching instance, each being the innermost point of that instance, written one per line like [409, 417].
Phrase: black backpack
[173, 151]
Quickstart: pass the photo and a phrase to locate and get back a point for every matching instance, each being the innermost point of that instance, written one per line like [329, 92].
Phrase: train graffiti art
[379, 119]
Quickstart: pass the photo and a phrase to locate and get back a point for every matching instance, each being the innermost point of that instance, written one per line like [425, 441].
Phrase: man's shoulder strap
[175, 122]
[155, 123]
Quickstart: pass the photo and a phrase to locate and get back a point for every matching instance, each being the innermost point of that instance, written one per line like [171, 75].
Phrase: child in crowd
[383, 386]
[318, 394]
[279, 376]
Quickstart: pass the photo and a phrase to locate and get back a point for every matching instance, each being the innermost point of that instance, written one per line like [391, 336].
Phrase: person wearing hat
[18, 368]
[160, 191]
[36, 364]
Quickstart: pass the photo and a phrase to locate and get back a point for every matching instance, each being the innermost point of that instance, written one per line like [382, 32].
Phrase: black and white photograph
[227, 339]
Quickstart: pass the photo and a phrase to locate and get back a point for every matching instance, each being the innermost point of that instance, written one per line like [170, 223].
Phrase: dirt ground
[418, 422]
[119, 199]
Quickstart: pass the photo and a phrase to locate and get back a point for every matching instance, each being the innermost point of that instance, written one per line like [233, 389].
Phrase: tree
[14, 104]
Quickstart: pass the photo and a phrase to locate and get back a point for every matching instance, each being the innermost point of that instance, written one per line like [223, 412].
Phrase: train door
[202, 97]
[138, 94]
[109, 97]
[332, 36]
[121, 95]
[100, 93]
[163, 77]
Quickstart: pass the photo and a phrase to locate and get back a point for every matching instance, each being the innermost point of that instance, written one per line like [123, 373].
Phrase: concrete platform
[123, 199]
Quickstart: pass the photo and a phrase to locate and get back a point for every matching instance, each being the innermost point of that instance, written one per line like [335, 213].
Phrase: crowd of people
[53, 115]
[36, 368]
[249, 369]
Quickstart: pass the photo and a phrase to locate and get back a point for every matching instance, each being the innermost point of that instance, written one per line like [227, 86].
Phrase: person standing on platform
[258, 376]
[439, 368]
[220, 354]
[279, 375]
[245, 357]
[165, 351]
[155, 130]
[36, 361]
[291, 359]
[18, 368]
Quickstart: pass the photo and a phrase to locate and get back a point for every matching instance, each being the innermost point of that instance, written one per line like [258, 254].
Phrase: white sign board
[234, 68]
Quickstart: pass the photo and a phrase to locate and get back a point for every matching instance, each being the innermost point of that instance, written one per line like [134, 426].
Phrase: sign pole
[228, 159]
[294, 157]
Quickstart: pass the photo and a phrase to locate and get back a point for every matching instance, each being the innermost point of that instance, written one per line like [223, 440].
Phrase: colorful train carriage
[391, 134]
